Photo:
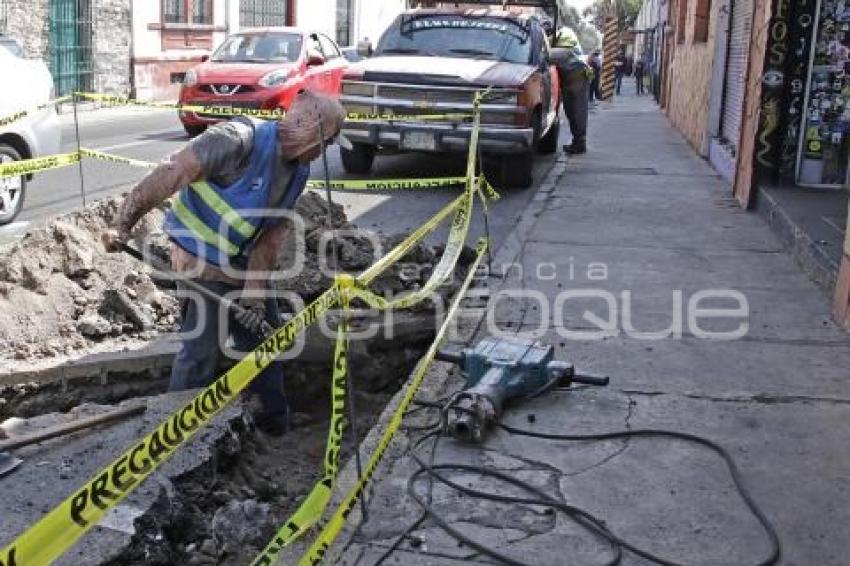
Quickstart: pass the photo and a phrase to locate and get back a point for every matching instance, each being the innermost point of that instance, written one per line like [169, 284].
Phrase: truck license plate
[425, 141]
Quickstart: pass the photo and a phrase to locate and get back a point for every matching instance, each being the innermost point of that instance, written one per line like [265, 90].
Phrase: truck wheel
[12, 189]
[510, 171]
[358, 160]
[194, 131]
[549, 143]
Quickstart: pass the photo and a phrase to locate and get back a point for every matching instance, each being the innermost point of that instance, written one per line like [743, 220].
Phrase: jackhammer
[498, 371]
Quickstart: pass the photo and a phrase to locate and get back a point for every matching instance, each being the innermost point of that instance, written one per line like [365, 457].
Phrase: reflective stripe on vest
[201, 230]
[228, 215]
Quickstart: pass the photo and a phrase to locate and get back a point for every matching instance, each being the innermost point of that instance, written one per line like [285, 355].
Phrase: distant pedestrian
[594, 61]
[639, 69]
[619, 71]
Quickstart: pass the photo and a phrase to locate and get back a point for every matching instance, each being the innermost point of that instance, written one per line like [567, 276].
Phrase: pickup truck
[433, 61]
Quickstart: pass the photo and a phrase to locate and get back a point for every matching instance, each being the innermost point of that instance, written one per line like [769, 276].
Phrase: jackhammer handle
[600, 380]
[451, 355]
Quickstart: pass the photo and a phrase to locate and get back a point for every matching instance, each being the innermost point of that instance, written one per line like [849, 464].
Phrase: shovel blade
[8, 463]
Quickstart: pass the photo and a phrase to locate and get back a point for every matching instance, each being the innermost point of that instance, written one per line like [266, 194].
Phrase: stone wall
[690, 81]
[29, 22]
[111, 41]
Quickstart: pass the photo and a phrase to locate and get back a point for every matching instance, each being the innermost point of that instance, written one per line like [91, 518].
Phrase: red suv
[261, 69]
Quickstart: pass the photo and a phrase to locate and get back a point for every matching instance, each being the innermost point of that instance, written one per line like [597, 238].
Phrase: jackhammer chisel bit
[498, 371]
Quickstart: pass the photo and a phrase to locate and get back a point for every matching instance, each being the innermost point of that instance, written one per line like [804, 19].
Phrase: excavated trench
[225, 510]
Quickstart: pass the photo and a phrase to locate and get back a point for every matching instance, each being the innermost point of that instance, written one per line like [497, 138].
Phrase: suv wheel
[358, 160]
[194, 131]
[12, 189]
[510, 171]
[549, 143]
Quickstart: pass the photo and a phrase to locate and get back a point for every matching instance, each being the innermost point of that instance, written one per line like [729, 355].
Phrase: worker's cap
[309, 117]
[566, 37]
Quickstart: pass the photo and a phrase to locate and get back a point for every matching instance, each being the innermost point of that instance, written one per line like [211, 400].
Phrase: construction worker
[575, 76]
[226, 231]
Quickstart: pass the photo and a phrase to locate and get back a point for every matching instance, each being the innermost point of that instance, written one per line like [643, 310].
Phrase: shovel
[266, 329]
[8, 462]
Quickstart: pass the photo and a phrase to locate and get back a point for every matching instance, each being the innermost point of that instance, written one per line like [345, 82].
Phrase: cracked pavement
[777, 399]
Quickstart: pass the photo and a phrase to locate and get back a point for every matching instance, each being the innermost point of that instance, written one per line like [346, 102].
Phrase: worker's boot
[575, 148]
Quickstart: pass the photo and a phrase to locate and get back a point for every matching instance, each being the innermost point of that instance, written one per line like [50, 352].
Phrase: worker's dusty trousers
[575, 107]
[205, 329]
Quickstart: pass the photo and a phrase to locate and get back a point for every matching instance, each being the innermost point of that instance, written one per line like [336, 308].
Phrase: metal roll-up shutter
[740, 23]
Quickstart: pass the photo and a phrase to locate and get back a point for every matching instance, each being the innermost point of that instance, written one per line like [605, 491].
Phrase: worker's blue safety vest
[219, 224]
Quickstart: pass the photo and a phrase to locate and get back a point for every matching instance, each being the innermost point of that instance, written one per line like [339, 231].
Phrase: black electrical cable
[734, 472]
[580, 516]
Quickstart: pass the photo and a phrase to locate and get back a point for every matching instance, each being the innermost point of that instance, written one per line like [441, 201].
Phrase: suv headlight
[274, 78]
[191, 78]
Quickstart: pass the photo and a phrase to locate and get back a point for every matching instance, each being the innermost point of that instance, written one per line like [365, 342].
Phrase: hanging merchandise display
[824, 145]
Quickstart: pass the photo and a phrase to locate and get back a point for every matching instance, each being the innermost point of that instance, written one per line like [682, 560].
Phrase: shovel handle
[73, 426]
[267, 329]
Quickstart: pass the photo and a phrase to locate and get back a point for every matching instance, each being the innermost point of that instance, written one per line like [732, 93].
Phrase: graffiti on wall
[798, 59]
[783, 87]
[773, 88]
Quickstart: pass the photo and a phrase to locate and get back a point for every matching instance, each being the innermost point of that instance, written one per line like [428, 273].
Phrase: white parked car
[36, 135]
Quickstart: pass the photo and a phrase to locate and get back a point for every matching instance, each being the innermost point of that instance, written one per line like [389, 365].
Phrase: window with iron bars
[262, 13]
[197, 12]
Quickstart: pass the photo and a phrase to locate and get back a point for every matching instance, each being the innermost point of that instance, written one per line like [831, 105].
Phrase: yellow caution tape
[323, 542]
[94, 154]
[387, 184]
[57, 531]
[313, 507]
[27, 166]
[368, 117]
[5, 121]
[215, 110]
[345, 184]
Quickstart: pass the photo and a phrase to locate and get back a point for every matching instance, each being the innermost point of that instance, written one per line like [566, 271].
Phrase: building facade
[85, 43]
[689, 69]
[766, 99]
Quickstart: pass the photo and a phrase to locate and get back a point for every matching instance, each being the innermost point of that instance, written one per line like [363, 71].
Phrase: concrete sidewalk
[641, 213]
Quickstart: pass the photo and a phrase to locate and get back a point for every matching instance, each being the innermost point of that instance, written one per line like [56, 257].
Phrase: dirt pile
[63, 296]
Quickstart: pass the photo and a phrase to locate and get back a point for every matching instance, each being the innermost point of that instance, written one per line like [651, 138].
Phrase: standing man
[639, 69]
[619, 70]
[594, 61]
[574, 75]
[226, 230]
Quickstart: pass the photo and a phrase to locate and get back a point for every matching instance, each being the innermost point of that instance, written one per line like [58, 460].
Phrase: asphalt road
[150, 134]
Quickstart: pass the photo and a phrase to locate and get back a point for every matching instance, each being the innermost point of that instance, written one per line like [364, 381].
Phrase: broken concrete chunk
[94, 326]
[121, 303]
[242, 523]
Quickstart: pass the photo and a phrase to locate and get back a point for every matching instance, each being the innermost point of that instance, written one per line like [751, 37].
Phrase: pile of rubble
[63, 296]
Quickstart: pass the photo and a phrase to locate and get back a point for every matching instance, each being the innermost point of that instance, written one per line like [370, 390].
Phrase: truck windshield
[458, 35]
[259, 48]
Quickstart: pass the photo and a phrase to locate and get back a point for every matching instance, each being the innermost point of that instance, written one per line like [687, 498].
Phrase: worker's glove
[113, 240]
[253, 314]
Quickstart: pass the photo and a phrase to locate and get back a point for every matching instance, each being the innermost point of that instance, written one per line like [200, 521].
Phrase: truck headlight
[191, 78]
[274, 78]
[358, 89]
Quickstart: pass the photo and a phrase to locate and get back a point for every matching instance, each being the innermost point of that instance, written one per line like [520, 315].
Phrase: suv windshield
[259, 48]
[455, 35]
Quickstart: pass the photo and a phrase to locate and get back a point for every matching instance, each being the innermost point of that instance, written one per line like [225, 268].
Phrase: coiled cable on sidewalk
[580, 516]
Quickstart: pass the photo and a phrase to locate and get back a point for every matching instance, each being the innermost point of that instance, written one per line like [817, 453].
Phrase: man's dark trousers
[576, 99]
[197, 362]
